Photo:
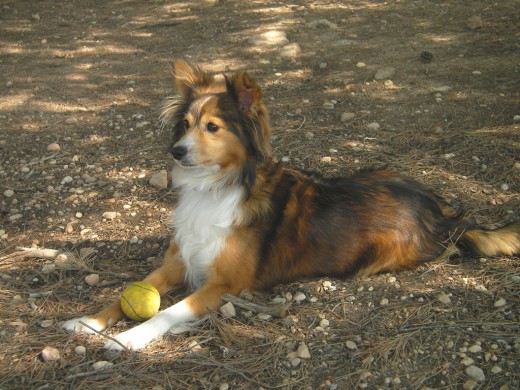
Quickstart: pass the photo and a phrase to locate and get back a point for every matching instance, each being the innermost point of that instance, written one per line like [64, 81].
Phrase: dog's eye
[186, 123]
[212, 128]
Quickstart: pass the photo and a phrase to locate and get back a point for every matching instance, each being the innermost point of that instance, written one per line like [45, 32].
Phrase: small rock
[46, 323]
[71, 121]
[80, 350]
[309, 135]
[474, 22]
[346, 116]
[500, 302]
[383, 302]
[299, 296]
[496, 369]
[516, 118]
[384, 73]
[470, 384]
[228, 310]
[504, 187]
[360, 65]
[323, 23]
[224, 386]
[392, 279]
[134, 240]
[444, 298]
[290, 51]
[160, 180]
[475, 348]
[448, 156]
[67, 179]
[476, 373]
[326, 159]
[50, 354]
[373, 126]
[328, 106]
[9, 84]
[303, 351]
[8, 193]
[324, 323]
[264, 317]
[270, 38]
[54, 147]
[110, 215]
[102, 365]
[92, 279]
[467, 361]
[296, 362]
[351, 345]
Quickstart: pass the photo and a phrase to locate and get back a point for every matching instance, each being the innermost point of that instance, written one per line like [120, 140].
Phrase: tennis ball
[140, 301]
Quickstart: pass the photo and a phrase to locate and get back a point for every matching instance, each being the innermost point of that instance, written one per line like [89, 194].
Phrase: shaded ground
[90, 76]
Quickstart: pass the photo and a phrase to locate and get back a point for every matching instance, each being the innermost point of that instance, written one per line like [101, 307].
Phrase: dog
[243, 221]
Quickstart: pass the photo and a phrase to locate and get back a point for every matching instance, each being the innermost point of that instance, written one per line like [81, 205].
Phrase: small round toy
[140, 301]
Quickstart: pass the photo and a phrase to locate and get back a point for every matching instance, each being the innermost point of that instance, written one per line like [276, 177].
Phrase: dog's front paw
[133, 339]
[83, 325]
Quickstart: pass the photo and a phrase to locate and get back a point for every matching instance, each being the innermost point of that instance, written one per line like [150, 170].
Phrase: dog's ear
[246, 91]
[248, 98]
[190, 80]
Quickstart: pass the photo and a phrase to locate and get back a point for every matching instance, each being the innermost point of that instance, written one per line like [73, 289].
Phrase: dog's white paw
[77, 325]
[133, 339]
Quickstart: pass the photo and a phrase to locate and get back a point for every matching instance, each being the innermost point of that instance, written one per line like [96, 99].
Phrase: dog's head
[220, 127]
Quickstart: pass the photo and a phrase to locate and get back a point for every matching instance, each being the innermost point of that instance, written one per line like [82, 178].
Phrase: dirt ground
[81, 85]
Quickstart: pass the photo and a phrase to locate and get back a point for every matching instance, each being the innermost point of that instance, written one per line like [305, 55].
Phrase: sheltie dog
[244, 222]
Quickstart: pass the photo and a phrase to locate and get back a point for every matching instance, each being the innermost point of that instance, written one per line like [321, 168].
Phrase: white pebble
[303, 351]
[80, 350]
[134, 240]
[8, 193]
[324, 323]
[467, 361]
[326, 159]
[67, 179]
[92, 279]
[50, 354]
[476, 373]
[373, 126]
[516, 118]
[54, 147]
[496, 369]
[444, 298]
[299, 296]
[309, 135]
[351, 345]
[360, 65]
[384, 302]
[504, 187]
[228, 310]
[346, 116]
[475, 348]
[328, 106]
[102, 365]
[500, 302]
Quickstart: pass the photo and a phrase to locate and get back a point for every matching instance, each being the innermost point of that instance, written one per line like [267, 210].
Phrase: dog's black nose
[178, 152]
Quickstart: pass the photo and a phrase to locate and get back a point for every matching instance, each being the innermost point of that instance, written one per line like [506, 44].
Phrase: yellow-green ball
[140, 301]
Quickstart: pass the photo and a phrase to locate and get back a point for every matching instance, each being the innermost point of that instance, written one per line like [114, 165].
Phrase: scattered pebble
[504, 187]
[475, 348]
[160, 180]
[110, 215]
[299, 297]
[228, 310]
[80, 350]
[270, 38]
[50, 354]
[516, 118]
[323, 23]
[54, 147]
[328, 106]
[264, 317]
[326, 159]
[467, 361]
[290, 51]
[476, 373]
[384, 73]
[383, 302]
[303, 351]
[474, 22]
[8, 193]
[500, 302]
[92, 279]
[309, 135]
[373, 126]
[46, 323]
[444, 298]
[102, 365]
[360, 65]
[347, 116]
[351, 345]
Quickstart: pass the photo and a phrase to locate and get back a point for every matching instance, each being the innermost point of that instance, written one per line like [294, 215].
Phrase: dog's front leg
[170, 275]
[191, 308]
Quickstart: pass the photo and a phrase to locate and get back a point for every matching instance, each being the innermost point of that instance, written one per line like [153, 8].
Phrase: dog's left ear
[247, 93]
[248, 98]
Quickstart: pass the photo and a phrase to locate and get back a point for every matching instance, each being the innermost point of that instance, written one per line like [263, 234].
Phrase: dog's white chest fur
[202, 221]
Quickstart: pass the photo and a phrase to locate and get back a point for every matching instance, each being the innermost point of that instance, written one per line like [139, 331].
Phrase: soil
[90, 77]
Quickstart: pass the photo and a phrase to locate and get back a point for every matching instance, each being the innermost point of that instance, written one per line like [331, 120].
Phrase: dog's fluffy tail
[492, 242]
